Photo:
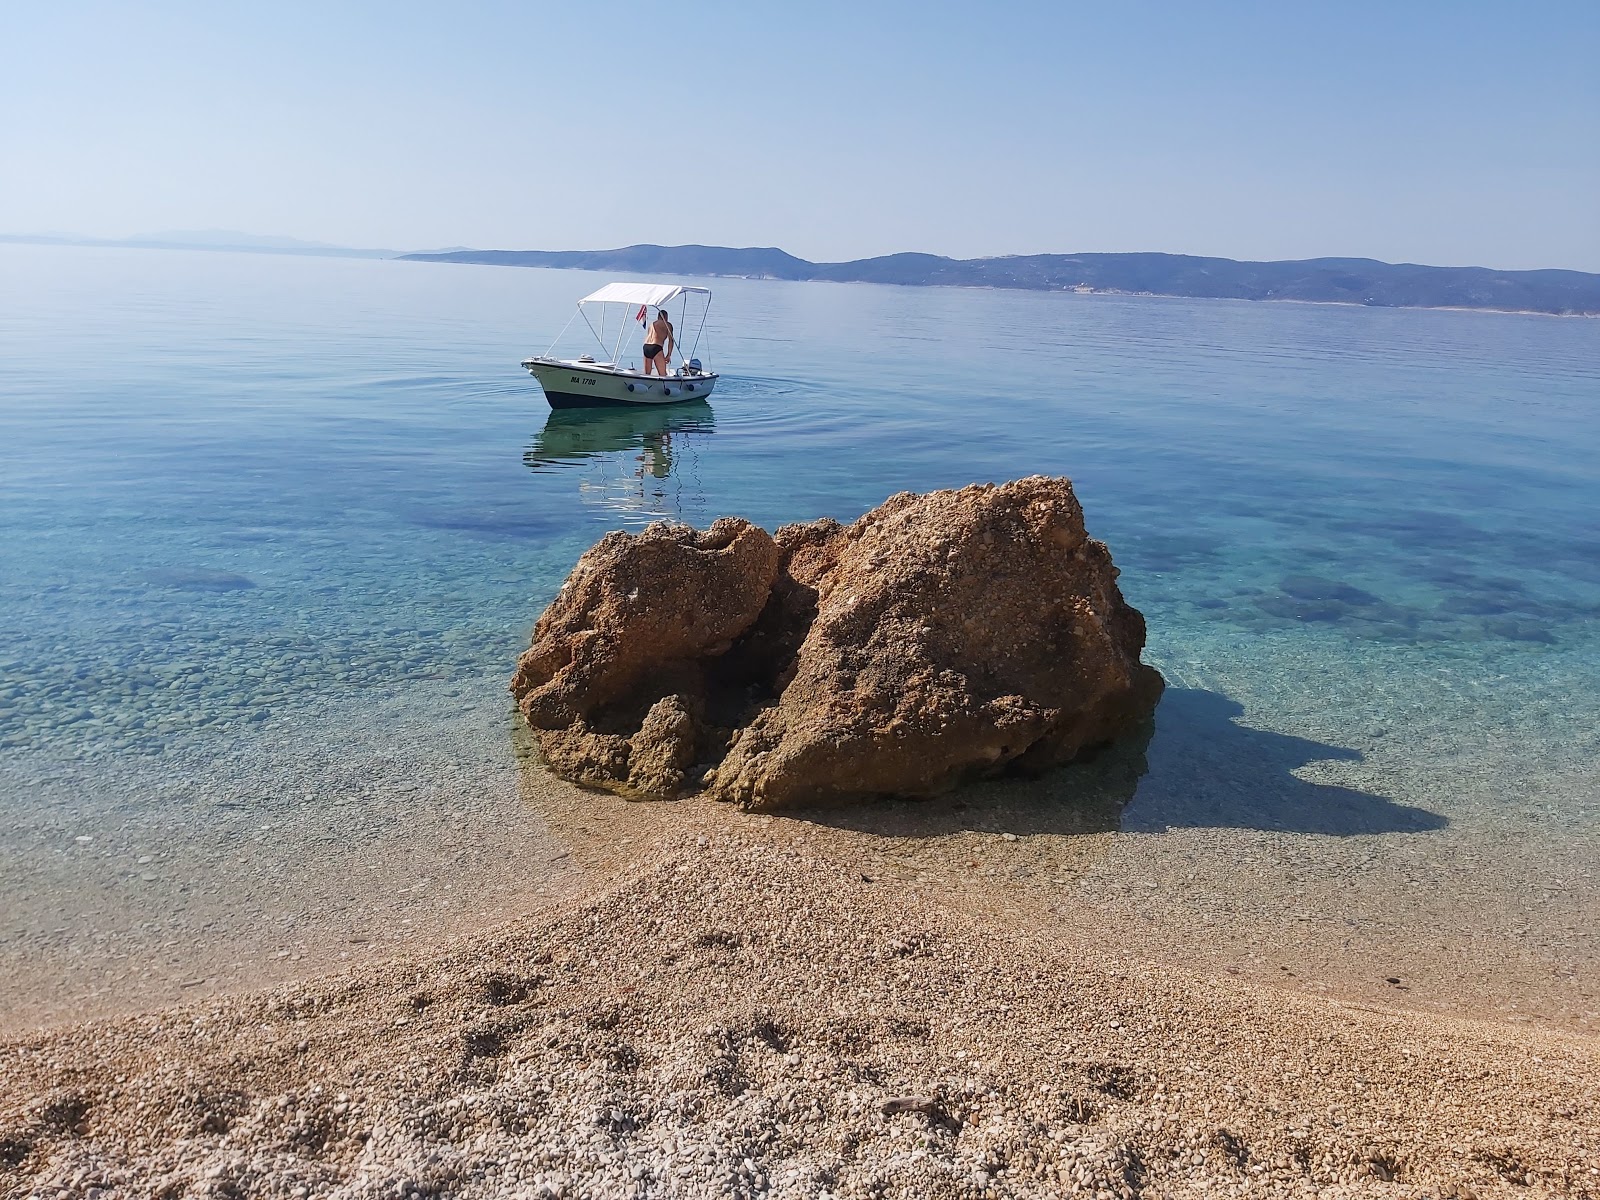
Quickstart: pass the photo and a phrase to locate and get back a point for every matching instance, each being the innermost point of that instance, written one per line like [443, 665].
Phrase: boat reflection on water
[635, 465]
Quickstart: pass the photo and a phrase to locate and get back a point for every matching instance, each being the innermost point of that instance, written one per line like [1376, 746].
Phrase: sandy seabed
[749, 1007]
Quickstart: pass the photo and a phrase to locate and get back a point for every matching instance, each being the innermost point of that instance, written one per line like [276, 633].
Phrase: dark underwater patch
[1453, 573]
[511, 523]
[198, 579]
[1514, 629]
[1581, 562]
[1292, 608]
[1317, 600]
[1419, 528]
[1479, 605]
[1163, 554]
[1316, 588]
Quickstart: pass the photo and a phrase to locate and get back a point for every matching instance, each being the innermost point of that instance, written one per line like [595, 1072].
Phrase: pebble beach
[737, 1006]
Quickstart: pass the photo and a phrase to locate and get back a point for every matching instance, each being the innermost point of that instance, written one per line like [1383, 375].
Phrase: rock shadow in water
[1209, 770]
[1196, 766]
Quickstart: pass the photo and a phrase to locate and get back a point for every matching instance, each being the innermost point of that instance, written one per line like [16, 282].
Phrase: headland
[1359, 281]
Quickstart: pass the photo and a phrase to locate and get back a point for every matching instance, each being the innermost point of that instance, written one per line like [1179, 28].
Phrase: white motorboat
[590, 382]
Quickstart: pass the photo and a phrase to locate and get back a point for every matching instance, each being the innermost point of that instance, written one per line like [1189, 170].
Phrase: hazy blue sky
[1444, 133]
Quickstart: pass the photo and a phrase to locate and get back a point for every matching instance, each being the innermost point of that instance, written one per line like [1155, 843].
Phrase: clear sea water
[273, 531]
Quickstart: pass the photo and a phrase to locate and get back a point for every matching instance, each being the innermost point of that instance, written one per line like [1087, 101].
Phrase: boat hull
[575, 385]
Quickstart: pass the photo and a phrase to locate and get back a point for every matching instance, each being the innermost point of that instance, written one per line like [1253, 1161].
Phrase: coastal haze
[1448, 134]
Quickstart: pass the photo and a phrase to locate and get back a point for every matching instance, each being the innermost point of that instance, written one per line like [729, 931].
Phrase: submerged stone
[1316, 588]
[1515, 630]
[1293, 609]
[198, 579]
[1480, 605]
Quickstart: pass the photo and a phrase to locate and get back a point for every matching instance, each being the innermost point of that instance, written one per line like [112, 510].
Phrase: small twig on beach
[900, 1104]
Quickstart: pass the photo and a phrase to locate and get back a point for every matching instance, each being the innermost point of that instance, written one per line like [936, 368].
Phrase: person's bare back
[660, 338]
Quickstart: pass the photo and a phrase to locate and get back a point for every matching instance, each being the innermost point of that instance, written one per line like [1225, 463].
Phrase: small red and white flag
[639, 316]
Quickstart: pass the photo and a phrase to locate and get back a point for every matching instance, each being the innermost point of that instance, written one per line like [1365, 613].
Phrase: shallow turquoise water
[245, 500]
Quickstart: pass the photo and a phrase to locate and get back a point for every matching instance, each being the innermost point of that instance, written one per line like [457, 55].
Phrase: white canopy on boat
[653, 294]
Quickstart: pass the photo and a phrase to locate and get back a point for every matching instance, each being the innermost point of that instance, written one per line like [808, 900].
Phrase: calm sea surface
[273, 531]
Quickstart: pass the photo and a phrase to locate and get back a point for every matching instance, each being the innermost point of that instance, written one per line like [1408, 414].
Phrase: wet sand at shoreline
[324, 844]
[401, 861]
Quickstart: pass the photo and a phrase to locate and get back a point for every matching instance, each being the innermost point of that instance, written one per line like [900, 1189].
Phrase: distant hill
[1325, 280]
[755, 262]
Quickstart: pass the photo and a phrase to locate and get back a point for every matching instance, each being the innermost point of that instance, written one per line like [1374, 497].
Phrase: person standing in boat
[658, 344]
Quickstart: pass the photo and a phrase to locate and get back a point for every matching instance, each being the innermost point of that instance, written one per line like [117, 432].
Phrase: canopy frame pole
[597, 337]
[704, 313]
[550, 353]
[622, 329]
[683, 322]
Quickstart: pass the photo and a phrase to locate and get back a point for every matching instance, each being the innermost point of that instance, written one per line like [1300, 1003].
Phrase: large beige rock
[954, 634]
[937, 638]
[634, 624]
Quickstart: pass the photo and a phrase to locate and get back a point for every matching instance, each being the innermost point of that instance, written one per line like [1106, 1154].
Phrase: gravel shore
[734, 1010]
